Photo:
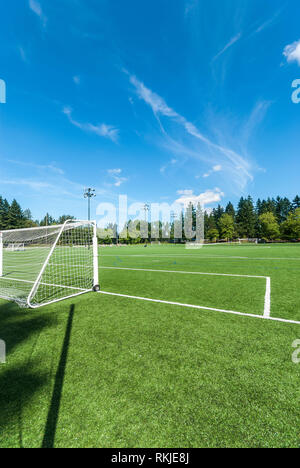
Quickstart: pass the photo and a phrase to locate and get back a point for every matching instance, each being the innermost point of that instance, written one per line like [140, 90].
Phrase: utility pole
[89, 193]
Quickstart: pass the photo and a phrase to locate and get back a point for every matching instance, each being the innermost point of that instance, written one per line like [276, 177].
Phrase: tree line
[13, 217]
[268, 220]
[272, 219]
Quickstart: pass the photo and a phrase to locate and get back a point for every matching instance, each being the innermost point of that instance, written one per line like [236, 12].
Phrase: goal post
[54, 263]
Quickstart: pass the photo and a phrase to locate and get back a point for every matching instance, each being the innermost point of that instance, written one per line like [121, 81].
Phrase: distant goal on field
[39, 266]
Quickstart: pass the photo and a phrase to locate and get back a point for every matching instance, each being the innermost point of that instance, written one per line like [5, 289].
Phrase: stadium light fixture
[89, 193]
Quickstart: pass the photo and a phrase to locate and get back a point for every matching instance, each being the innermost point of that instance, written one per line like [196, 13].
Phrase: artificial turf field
[107, 371]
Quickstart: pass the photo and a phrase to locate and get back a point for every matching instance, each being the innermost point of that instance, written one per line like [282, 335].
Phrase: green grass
[117, 372]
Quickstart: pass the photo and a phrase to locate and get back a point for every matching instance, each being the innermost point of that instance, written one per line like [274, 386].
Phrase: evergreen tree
[189, 222]
[62, 219]
[27, 214]
[246, 218]
[296, 202]
[258, 208]
[48, 221]
[283, 207]
[4, 214]
[15, 216]
[230, 210]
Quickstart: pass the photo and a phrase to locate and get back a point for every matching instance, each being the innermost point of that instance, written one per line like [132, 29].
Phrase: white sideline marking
[201, 307]
[267, 303]
[182, 272]
[204, 257]
[267, 310]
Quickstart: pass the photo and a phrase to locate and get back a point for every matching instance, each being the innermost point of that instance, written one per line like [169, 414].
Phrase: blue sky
[161, 100]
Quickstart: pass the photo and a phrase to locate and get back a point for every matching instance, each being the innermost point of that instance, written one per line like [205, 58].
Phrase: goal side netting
[39, 266]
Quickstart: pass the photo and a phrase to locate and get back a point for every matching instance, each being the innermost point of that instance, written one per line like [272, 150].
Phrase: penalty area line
[191, 306]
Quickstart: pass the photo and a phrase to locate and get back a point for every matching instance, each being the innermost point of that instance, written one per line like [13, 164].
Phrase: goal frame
[36, 283]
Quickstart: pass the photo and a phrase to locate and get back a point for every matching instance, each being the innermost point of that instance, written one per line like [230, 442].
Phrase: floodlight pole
[173, 218]
[89, 193]
[146, 209]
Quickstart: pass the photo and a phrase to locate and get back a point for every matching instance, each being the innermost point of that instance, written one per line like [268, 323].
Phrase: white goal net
[39, 266]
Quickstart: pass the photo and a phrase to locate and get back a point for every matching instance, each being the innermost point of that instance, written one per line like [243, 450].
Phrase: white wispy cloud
[232, 41]
[103, 130]
[45, 167]
[216, 168]
[237, 165]
[36, 7]
[54, 187]
[185, 192]
[32, 184]
[23, 54]
[116, 175]
[256, 117]
[292, 52]
[205, 198]
[172, 162]
[267, 23]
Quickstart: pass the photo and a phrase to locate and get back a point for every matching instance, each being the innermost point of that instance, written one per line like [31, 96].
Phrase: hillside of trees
[269, 220]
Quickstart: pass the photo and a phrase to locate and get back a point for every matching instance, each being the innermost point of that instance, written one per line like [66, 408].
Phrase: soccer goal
[248, 241]
[18, 247]
[39, 266]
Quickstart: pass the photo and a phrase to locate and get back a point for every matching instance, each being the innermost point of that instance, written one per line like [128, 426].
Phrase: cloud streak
[103, 130]
[216, 168]
[238, 165]
[232, 41]
[36, 8]
[47, 167]
[116, 175]
[266, 23]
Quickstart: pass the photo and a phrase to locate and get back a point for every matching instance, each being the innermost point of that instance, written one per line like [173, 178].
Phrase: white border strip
[203, 257]
[267, 303]
[183, 272]
[267, 309]
[201, 307]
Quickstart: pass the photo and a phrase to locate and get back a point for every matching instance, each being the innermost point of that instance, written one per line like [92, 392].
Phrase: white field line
[182, 272]
[200, 307]
[267, 303]
[267, 309]
[8, 278]
[204, 257]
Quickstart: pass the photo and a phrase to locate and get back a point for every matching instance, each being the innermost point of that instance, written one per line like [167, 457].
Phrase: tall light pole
[89, 193]
[173, 219]
[146, 231]
[146, 209]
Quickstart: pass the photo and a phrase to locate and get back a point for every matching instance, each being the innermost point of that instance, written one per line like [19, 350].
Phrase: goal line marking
[274, 319]
[8, 278]
[267, 303]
